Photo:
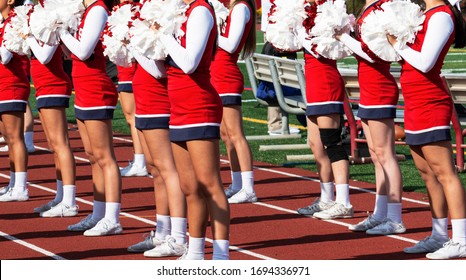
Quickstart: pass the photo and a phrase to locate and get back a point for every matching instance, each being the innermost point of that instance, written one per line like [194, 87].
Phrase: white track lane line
[31, 246]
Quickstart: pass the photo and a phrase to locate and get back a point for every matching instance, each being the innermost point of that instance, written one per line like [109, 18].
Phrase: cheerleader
[325, 94]
[14, 93]
[152, 118]
[379, 97]
[137, 167]
[53, 90]
[238, 32]
[428, 109]
[96, 99]
[195, 117]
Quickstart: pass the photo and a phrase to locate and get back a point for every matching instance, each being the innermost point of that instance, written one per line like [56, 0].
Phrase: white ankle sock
[247, 178]
[163, 227]
[327, 192]
[195, 248]
[394, 212]
[20, 181]
[221, 250]
[59, 195]
[69, 195]
[139, 160]
[112, 211]
[440, 228]
[236, 181]
[178, 231]
[98, 211]
[458, 228]
[381, 205]
[342, 196]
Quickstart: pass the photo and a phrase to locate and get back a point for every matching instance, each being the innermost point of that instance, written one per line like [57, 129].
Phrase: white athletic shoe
[315, 207]
[29, 149]
[229, 192]
[450, 250]
[426, 245]
[367, 223]
[388, 227]
[169, 248]
[61, 210]
[150, 242]
[133, 170]
[14, 195]
[243, 197]
[104, 227]
[84, 224]
[337, 211]
[45, 207]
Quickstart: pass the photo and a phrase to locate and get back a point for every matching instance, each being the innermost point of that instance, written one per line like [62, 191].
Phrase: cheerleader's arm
[90, 36]
[199, 25]
[239, 18]
[154, 67]
[5, 55]
[438, 32]
[43, 53]
[355, 46]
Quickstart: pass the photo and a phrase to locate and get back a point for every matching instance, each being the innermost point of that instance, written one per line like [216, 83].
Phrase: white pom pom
[331, 18]
[284, 23]
[116, 35]
[18, 25]
[221, 13]
[169, 15]
[400, 18]
[44, 21]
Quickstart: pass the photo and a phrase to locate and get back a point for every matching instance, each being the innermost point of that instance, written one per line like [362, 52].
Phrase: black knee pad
[331, 139]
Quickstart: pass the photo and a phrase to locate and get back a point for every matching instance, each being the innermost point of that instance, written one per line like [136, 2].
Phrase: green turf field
[255, 124]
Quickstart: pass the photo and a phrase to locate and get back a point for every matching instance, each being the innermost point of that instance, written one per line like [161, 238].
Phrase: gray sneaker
[315, 207]
[368, 223]
[229, 192]
[4, 190]
[450, 250]
[149, 243]
[84, 224]
[169, 248]
[426, 245]
[337, 211]
[45, 207]
[388, 227]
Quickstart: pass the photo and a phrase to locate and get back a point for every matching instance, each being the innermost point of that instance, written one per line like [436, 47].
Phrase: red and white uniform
[379, 91]
[325, 89]
[53, 86]
[226, 75]
[428, 104]
[150, 94]
[196, 108]
[14, 81]
[96, 95]
[125, 78]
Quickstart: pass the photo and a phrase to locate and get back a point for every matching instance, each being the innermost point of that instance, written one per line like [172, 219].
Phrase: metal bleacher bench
[286, 72]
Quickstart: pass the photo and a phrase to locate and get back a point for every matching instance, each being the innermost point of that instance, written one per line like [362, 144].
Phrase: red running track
[268, 229]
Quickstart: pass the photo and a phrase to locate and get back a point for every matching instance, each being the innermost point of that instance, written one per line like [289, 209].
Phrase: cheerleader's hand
[391, 39]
